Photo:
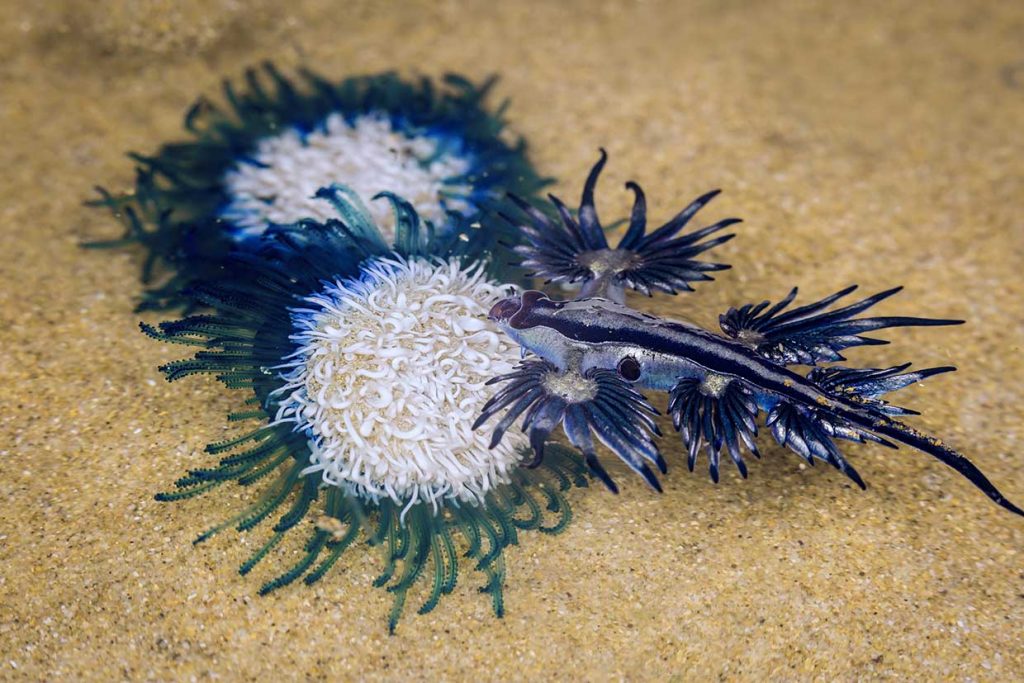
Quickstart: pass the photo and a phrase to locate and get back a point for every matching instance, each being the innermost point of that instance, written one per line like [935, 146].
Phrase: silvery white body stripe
[591, 333]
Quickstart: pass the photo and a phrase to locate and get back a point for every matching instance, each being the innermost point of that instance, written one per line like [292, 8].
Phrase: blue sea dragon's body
[594, 353]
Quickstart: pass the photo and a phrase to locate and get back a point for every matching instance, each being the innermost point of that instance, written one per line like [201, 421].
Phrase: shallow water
[878, 144]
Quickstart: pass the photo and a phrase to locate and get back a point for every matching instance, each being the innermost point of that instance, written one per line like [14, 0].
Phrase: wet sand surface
[878, 144]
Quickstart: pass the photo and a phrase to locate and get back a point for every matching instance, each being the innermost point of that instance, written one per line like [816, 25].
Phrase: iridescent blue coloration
[594, 353]
[576, 248]
[180, 211]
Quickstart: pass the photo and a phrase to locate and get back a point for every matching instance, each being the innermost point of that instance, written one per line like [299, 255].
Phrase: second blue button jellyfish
[257, 160]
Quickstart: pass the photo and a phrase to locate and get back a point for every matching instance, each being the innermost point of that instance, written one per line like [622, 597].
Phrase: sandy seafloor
[879, 143]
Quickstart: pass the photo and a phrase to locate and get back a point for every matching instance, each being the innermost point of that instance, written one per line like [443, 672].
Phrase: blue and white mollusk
[371, 153]
[389, 377]
[594, 355]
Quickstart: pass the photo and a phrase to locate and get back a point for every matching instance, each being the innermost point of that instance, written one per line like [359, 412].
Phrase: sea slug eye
[629, 368]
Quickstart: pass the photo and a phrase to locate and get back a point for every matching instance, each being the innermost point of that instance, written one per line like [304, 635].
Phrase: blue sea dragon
[586, 360]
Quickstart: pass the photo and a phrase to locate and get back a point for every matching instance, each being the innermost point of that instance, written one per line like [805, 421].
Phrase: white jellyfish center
[390, 376]
[277, 182]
